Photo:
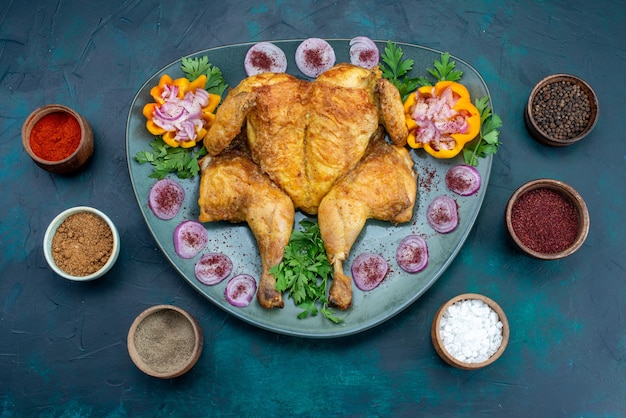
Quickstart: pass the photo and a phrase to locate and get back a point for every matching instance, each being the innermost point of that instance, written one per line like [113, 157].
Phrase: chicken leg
[383, 186]
[234, 189]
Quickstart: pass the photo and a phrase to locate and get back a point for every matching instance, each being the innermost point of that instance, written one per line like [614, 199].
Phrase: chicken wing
[384, 187]
[233, 188]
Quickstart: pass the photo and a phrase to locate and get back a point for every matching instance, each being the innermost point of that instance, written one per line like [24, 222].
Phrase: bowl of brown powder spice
[81, 244]
[164, 341]
[547, 219]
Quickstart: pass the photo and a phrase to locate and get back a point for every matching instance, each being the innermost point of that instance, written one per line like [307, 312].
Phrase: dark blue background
[63, 344]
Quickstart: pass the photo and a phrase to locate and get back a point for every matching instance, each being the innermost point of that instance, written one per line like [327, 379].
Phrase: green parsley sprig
[305, 272]
[195, 67]
[444, 69]
[488, 142]
[166, 159]
[395, 68]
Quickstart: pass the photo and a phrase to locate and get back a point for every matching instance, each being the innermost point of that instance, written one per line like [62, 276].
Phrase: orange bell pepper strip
[184, 86]
[451, 144]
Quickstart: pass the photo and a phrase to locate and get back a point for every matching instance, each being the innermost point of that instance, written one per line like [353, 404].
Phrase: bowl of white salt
[470, 331]
[165, 341]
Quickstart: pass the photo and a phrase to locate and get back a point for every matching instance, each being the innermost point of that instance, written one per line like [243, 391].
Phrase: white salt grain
[471, 331]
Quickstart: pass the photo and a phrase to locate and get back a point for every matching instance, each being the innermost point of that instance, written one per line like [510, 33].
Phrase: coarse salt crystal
[471, 331]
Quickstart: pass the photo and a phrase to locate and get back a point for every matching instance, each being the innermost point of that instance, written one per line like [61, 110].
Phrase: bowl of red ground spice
[81, 244]
[562, 109]
[164, 341]
[547, 219]
[57, 138]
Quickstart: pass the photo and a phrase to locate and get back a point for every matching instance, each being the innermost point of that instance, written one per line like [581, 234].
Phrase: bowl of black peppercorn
[561, 110]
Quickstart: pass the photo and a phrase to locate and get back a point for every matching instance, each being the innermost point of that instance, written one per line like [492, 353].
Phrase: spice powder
[82, 244]
[165, 341]
[545, 221]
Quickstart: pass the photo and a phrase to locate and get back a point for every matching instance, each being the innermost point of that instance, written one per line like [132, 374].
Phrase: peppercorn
[562, 109]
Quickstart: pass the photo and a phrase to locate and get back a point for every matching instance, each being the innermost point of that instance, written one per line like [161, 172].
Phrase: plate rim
[338, 330]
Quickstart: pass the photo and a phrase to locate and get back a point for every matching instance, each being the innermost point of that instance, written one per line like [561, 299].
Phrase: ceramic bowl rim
[565, 190]
[529, 114]
[39, 113]
[54, 225]
[136, 358]
[436, 336]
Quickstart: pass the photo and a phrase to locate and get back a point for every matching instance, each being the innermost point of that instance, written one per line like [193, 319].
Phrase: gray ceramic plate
[395, 293]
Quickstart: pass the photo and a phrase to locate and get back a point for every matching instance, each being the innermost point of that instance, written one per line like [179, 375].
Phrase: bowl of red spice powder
[57, 138]
[562, 109]
[547, 219]
[81, 244]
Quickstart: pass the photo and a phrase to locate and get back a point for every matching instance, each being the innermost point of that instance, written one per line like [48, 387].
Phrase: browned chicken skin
[382, 187]
[306, 135]
[234, 189]
[308, 140]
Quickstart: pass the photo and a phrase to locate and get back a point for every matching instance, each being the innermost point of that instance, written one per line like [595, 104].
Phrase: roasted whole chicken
[279, 144]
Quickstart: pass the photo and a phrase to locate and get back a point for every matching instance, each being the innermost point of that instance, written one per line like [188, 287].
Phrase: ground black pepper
[545, 221]
[561, 109]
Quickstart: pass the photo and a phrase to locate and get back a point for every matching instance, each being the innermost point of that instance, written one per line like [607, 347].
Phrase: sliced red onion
[364, 52]
[463, 179]
[412, 254]
[212, 268]
[181, 115]
[190, 237]
[265, 57]
[240, 290]
[314, 56]
[166, 198]
[442, 214]
[368, 270]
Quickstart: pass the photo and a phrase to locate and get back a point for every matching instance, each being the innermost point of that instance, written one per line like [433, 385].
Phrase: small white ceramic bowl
[54, 225]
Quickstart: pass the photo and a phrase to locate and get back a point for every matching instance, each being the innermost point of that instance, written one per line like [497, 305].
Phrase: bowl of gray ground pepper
[81, 244]
[164, 341]
[562, 109]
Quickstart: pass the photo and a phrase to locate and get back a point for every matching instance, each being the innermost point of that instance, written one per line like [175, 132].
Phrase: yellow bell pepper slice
[184, 86]
[462, 106]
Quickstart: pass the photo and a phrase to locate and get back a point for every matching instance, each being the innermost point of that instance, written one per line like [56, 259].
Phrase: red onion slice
[166, 198]
[364, 52]
[314, 56]
[368, 270]
[190, 237]
[463, 179]
[412, 254]
[442, 214]
[240, 290]
[212, 268]
[265, 57]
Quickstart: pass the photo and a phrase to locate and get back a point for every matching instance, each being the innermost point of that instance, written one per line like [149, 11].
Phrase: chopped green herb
[488, 142]
[166, 159]
[195, 67]
[305, 272]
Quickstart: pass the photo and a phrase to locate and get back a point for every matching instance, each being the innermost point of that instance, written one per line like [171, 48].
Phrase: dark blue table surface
[63, 344]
